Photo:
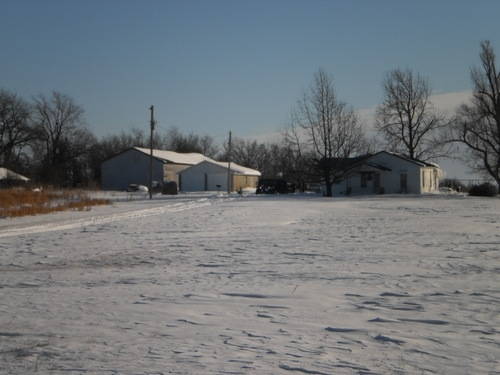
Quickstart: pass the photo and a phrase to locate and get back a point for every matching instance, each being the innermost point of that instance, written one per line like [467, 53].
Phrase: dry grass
[23, 202]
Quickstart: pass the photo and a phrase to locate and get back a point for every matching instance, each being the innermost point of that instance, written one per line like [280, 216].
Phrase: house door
[404, 182]
[376, 183]
[206, 182]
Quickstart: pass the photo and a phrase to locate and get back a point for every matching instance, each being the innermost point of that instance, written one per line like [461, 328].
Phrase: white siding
[419, 179]
[193, 179]
[391, 180]
[217, 179]
[190, 181]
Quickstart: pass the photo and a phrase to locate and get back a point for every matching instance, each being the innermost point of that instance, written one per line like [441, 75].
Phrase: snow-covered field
[254, 285]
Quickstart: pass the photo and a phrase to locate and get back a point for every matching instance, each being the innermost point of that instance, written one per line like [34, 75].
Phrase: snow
[235, 168]
[238, 169]
[191, 158]
[210, 284]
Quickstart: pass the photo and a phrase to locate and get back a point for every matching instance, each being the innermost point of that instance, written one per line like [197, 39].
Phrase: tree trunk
[328, 185]
[329, 190]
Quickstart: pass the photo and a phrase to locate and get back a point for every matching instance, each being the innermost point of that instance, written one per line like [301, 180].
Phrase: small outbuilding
[132, 167]
[9, 178]
[210, 175]
[388, 173]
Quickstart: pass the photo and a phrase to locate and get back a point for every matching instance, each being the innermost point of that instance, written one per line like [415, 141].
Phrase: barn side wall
[129, 167]
[429, 180]
[242, 182]
[212, 177]
[171, 172]
[202, 177]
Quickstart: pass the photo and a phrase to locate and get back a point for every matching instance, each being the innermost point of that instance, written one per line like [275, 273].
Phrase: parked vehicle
[137, 188]
[274, 186]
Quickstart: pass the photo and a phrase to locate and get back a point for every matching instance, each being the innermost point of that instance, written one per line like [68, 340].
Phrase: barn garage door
[219, 179]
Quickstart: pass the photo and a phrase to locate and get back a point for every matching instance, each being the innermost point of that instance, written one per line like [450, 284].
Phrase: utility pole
[152, 124]
[229, 165]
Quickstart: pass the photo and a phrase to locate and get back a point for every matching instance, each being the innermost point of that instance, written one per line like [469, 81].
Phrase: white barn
[132, 167]
[210, 175]
[389, 173]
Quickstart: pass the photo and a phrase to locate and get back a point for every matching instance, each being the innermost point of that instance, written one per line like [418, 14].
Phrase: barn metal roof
[190, 158]
[235, 168]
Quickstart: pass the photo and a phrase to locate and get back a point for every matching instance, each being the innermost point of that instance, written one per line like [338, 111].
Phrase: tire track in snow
[105, 219]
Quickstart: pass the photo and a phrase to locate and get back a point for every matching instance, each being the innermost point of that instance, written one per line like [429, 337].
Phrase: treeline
[46, 138]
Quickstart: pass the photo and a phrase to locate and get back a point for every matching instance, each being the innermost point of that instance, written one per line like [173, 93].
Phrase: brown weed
[22, 202]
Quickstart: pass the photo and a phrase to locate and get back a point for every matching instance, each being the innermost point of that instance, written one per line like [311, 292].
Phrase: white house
[388, 173]
[210, 175]
[132, 167]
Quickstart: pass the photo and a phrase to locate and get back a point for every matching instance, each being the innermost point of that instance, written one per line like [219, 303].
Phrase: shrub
[454, 184]
[483, 190]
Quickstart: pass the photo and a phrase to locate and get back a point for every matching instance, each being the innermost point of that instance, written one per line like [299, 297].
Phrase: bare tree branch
[65, 140]
[15, 128]
[331, 129]
[477, 124]
[407, 119]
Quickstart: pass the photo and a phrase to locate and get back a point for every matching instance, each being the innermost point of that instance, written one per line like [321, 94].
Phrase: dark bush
[483, 190]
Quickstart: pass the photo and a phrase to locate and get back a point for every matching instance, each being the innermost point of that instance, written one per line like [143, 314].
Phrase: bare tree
[249, 153]
[173, 139]
[297, 168]
[477, 124]
[208, 147]
[62, 137]
[332, 129]
[111, 145]
[15, 128]
[407, 119]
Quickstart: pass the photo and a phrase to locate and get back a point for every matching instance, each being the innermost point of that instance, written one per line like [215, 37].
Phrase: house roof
[7, 174]
[191, 158]
[414, 161]
[377, 166]
[347, 164]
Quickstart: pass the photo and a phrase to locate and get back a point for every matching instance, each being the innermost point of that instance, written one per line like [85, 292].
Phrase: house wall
[352, 184]
[391, 180]
[418, 179]
[129, 167]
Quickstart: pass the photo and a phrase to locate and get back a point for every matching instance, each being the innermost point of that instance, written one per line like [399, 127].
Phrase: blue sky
[212, 66]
